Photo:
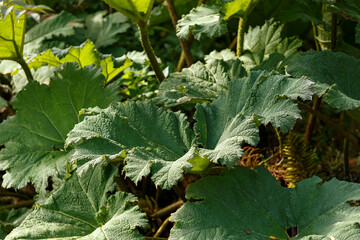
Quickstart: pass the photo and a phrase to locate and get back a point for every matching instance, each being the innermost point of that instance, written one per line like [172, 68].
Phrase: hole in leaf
[354, 203]
[292, 232]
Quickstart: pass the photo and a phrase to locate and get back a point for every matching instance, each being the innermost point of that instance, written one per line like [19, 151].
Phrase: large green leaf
[267, 210]
[104, 31]
[227, 122]
[336, 75]
[199, 82]
[12, 33]
[260, 42]
[45, 114]
[203, 20]
[48, 29]
[159, 141]
[84, 209]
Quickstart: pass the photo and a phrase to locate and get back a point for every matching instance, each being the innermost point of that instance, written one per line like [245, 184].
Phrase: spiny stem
[27, 203]
[312, 119]
[352, 138]
[184, 44]
[145, 42]
[26, 69]
[240, 36]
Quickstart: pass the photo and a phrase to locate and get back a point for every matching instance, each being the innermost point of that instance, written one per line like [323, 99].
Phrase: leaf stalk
[145, 42]
[27, 203]
[240, 36]
[184, 44]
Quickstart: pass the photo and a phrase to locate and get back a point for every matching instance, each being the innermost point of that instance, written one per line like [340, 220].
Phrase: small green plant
[111, 147]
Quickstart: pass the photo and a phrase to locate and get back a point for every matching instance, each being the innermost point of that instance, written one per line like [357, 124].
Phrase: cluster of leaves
[91, 128]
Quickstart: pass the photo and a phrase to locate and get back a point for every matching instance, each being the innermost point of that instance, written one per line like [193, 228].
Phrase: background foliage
[170, 119]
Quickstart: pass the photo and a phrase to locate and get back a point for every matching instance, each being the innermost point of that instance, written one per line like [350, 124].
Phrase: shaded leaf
[348, 8]
[261, 214]
[3, 103]
[45, 114]
[203, 20]
[103, 31]
[336, 76]
[83, 208]
[267, 210]
[275, 62]
[49, 28]
[11, 218]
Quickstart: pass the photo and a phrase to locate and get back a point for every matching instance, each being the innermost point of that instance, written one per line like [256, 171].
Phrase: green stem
[162, 227]
[166, 211]
[27, 203]
[240, 36]
[181, 62]
[184, 44]
[145, 42]
[26, 69]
